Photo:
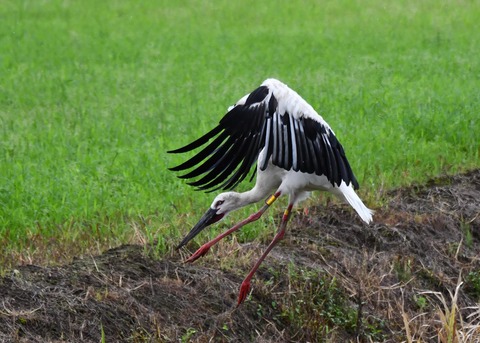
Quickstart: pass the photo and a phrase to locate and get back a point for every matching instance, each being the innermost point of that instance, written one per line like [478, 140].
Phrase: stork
[296, 152]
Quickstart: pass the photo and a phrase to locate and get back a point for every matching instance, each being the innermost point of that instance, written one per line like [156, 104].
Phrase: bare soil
[332, 279]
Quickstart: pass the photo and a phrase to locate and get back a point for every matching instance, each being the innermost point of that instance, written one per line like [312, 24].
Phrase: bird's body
[297, 185]
[295, 150]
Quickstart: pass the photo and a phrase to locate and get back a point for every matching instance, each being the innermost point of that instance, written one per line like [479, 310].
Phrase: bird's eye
[219, 202]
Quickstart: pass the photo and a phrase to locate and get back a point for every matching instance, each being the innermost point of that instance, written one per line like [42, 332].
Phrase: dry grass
[446, 322]
[331, 280]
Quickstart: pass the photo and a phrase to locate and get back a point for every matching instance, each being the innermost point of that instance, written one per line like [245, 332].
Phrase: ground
[332, 279]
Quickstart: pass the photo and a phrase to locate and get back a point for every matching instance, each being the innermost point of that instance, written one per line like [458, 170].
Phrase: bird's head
[221, 206]
[226, 202]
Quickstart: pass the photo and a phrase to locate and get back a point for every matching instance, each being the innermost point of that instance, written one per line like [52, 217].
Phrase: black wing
[302, 144]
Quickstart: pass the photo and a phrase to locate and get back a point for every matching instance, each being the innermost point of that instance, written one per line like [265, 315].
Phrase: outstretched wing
[237, 141]
[293, 141]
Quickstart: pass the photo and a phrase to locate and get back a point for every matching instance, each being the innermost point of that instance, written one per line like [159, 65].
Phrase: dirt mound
[331, 279]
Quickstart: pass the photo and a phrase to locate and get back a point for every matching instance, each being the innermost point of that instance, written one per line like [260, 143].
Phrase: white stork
[295, 150]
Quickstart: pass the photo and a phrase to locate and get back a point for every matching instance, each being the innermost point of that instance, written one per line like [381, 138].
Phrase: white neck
[250, 197]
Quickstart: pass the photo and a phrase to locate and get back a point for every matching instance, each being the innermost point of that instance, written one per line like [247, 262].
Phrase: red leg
[253, 217]
[245, 288]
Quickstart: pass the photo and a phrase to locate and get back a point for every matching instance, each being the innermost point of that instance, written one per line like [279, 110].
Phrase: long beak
[207, 219]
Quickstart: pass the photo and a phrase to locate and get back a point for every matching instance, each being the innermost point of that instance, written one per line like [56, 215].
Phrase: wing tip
[176, 151]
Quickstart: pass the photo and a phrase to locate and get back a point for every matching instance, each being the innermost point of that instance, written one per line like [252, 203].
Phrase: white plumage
[296, 152]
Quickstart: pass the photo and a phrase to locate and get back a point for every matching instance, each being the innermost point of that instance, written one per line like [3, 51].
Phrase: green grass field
[93, 93]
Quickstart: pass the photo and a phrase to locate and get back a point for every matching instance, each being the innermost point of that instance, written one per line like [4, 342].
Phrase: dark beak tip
[207, 219]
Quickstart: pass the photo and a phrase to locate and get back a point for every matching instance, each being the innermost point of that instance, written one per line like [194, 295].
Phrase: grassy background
[93, 93]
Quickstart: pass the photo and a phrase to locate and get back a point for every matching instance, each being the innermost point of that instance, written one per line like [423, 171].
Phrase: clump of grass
[449, 315]
[403, 266]
[317, 308]
[472, 284]
[468, 236]
[448, 322]
[187, 336]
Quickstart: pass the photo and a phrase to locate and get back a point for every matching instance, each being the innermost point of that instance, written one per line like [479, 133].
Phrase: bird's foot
[244, 290]
[199, 253]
